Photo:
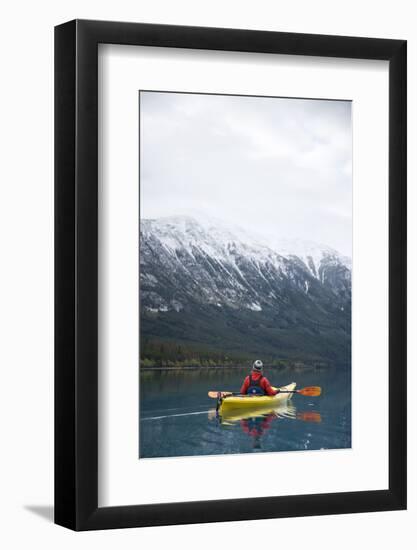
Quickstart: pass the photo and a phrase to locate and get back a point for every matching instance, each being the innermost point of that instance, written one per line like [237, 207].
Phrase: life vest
[255, 387]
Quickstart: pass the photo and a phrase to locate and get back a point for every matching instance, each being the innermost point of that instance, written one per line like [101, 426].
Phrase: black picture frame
[76, 272]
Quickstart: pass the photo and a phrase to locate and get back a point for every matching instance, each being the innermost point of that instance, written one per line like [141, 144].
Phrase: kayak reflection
[287, 409]
[256, 423]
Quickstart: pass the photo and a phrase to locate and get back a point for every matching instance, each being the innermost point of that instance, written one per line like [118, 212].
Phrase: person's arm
[268, 389]
[245, 386]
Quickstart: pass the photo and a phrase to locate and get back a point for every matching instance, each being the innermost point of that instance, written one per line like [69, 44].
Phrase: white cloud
[277, 166]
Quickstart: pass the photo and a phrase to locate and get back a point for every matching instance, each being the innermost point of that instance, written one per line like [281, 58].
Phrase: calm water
[178, 419]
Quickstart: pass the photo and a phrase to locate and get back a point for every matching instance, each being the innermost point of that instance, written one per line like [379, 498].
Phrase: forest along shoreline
[160, 355]
[294, 366]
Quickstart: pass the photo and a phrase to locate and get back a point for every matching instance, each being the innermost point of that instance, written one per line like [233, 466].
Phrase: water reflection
[257, 422]
[174, 407]
[255, 427]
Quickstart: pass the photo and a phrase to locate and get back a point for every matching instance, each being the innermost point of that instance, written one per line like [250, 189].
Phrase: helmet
[258, 366]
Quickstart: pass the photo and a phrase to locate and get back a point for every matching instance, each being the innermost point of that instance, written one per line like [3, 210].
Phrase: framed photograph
[230, 254]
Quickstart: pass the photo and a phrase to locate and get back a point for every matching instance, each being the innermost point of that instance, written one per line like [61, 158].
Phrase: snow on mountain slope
[184, 260]
[312, 254]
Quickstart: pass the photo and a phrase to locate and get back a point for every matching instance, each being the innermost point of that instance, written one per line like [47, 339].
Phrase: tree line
[157, 353]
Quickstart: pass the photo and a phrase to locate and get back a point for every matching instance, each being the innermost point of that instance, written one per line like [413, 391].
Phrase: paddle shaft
[237, 394]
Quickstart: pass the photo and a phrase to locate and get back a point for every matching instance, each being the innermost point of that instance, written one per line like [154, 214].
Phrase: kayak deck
[255, 402]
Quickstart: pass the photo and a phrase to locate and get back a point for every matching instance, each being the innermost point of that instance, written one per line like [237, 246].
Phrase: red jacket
[264, 384]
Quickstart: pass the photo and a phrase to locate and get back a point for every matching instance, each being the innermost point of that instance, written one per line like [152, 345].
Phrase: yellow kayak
[256, 402]
[282, 409]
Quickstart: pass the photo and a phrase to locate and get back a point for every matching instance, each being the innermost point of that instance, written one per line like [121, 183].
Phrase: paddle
[216, 394]
[310, 391]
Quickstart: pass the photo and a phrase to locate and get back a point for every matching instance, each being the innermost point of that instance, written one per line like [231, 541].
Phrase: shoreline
[237, 367]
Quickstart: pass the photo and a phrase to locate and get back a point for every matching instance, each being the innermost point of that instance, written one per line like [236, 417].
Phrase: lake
[177, 418]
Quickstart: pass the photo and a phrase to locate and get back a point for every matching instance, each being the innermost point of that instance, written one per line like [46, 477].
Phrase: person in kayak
[256, 383]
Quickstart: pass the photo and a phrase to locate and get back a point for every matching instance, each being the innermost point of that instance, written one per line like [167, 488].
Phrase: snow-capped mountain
[225, 267]
[199, 273]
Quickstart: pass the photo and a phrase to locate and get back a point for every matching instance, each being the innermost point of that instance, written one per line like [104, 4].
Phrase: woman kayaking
[256, 383]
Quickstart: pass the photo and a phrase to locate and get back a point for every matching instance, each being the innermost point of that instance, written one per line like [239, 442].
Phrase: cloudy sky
[279, 167]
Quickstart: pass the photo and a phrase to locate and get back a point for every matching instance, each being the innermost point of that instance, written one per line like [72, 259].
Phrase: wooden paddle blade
[310, 391]
[213, 394]
[217, 394]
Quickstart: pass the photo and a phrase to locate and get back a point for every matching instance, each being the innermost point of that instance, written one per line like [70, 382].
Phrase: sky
[279, 167]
